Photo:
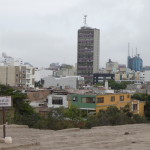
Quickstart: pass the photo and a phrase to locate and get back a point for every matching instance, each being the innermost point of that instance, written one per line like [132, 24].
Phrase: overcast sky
[45, 31]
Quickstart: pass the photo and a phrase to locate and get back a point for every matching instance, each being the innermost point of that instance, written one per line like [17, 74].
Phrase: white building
[42, 73]
[30, 77]
[29, 71]
[57, 101]
[63, 82]
[145, 76]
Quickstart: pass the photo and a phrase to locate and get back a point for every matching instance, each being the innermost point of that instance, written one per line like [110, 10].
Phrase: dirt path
[104, 138]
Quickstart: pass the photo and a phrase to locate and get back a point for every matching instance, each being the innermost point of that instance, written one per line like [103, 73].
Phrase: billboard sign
[5, 101]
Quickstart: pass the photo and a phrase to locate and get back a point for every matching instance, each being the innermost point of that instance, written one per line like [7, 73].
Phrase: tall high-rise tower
[88, 52]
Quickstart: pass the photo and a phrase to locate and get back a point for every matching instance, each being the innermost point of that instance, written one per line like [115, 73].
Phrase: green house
[84, 102]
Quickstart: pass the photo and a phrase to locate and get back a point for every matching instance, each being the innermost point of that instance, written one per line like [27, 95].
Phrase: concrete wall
[3, 78]
[96, 51]
[7, 75]
[38, 95]
[11, 76]
[66, 72]
[42, 73]
[147, 76]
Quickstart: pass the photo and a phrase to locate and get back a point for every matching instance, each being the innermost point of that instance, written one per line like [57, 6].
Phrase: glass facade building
[135, 63]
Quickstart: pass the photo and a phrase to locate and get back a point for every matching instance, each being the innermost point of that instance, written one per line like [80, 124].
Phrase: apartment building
[13, 75]
[30, 77]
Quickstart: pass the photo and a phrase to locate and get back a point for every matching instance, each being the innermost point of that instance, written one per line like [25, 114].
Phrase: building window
[100, 100]
[128, 96]
[28, 76]
[41, 105]
[112, 98]
[75, 99]
[121, 98]
[135, 107]
[108, 77]
[57, 100]
[28, 70]
[28, 80]
[23, 76]
[88, 100]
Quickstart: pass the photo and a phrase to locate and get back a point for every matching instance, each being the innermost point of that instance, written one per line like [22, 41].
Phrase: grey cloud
[49, 29]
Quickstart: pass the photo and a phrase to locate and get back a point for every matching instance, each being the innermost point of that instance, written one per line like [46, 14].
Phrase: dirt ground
[125, 137]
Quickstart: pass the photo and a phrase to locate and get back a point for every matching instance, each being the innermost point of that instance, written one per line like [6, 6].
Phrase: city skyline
[42, 32]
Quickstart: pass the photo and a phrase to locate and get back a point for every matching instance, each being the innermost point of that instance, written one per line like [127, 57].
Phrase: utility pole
[4, 127]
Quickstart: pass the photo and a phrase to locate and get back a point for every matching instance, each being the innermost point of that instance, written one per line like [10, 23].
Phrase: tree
[113, 116]
[144, 97]
[117, 85]
[23, 112]
[73, 113]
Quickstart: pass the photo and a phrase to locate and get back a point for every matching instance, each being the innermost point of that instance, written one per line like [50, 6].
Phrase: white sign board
[5, 101]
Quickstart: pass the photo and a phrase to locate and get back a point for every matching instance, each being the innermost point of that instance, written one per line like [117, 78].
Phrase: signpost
[5, 101]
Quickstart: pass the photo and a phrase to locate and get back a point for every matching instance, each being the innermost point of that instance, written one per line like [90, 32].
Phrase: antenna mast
[85, 20]
[128, 49]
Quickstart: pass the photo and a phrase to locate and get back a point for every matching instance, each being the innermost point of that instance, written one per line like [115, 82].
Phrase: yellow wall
[119, 104]
[140, 108]
[141, 112]
[108, 102]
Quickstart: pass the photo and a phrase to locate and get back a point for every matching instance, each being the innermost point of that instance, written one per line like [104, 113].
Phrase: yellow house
[119, 100]
[137, 107]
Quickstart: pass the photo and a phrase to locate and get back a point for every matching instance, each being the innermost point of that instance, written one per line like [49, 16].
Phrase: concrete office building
[88, 52]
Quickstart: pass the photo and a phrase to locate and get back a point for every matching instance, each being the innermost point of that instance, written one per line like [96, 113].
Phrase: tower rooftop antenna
[136, 50]
[85, 16]
[128, 49]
